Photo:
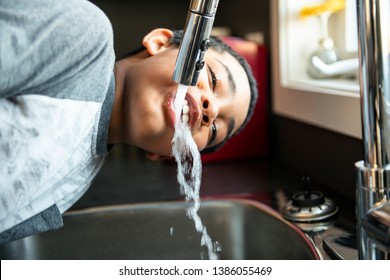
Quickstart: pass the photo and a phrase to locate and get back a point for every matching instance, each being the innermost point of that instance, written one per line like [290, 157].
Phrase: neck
[115, 131]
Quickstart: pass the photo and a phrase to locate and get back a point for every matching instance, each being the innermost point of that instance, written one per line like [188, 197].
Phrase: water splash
[179, 101]
[189, 171]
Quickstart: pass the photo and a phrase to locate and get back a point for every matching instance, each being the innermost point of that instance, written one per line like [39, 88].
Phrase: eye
[213, 133]
[213, 78]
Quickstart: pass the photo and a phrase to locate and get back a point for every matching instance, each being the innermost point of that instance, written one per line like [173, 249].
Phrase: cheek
[201, 138]
[163, 63]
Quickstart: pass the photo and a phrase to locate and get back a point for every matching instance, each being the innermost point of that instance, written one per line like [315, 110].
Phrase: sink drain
[309, 206]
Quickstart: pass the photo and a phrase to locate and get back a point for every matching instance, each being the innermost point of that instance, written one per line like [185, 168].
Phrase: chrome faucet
[373, 173]
[195, 41]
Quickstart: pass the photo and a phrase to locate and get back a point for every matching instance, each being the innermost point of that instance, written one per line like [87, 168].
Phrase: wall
[327, 157]
[131, 19]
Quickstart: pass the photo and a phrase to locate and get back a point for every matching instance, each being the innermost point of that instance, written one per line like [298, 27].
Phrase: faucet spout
[373, 174]
[195, 41]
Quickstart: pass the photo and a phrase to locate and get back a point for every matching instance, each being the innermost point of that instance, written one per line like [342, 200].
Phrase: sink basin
[243, 228]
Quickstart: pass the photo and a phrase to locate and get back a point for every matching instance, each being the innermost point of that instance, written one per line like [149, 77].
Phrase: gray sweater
[56, 95]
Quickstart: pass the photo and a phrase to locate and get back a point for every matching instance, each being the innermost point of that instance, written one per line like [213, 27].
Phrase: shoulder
[92, 18]
[47, 45]
[83, 20]
[45, 27]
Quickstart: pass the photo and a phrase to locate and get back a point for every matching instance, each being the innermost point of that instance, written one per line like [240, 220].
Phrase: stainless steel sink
[244, 229]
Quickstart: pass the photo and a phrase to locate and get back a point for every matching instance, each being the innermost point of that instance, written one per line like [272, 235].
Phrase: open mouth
[190, 112]
[185, 116]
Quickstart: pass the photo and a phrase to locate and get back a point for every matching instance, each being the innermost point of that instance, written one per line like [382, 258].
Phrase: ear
[157, 40]
[153, 156]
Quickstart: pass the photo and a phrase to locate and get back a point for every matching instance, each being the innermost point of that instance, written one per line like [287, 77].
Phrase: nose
[209, 111]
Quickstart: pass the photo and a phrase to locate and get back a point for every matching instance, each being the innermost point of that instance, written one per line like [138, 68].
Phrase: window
[328, 103]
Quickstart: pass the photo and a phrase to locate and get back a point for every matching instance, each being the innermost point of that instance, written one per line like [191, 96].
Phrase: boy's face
[218, 105]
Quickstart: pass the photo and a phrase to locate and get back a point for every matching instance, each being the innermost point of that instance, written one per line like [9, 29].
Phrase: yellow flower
[331, 6]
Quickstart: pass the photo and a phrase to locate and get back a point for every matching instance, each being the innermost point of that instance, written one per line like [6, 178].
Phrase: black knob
[204, 46]
[302, 199]
[199, 65]
[307, 198]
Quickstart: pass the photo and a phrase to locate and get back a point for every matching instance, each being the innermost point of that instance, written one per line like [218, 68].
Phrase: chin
[162, 147]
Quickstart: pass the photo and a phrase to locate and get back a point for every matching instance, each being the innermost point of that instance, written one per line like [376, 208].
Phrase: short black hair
[219, 46]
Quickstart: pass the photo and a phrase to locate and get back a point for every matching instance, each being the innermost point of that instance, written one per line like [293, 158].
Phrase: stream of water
[189, 172]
